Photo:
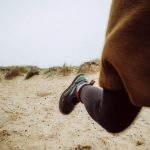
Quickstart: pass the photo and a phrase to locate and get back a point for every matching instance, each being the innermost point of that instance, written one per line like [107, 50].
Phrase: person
[125, 70]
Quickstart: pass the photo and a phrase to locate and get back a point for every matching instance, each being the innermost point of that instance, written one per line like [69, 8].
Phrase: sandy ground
[30, 120]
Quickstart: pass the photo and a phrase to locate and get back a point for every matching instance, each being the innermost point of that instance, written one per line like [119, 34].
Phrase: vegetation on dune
[14, 71]
[32, 72]
[11, 74]
[52, 71]
[64, 70]
[89, 67]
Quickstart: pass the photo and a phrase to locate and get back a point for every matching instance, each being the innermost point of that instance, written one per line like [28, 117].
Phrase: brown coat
[126, 55]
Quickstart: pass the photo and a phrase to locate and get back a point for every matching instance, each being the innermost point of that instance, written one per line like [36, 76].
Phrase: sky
[52, 32]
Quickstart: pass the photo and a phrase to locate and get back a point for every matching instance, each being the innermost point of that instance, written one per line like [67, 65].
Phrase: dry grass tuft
[64, 70]
[23, 69]
[52, 71]
[32, 72]
[90, 67]
[12, 73]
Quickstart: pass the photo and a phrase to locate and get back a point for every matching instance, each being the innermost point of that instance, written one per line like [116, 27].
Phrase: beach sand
[30, 120]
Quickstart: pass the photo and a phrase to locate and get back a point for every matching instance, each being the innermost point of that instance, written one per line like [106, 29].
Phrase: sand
[30, 120]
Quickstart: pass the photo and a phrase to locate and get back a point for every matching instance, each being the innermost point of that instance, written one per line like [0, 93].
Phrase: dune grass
[59, 70]
[13, 72]
[32, 72]
[90, 66]
[65, 70]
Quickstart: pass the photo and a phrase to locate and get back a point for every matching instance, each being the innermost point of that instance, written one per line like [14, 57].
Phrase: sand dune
[30, 120]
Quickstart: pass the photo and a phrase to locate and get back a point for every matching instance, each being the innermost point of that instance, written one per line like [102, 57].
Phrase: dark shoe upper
[69, 98]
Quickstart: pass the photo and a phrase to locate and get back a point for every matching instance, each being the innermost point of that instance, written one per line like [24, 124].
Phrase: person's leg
[113, 110]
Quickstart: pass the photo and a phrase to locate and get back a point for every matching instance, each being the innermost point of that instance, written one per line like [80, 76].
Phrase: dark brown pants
[111, 109]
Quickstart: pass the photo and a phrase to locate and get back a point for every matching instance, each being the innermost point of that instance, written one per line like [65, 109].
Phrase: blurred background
[52, 32]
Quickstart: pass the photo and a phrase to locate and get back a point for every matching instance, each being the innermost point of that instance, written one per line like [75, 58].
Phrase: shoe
[69, 98]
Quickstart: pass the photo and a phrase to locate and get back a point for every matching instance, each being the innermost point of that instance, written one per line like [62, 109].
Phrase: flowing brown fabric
[126, 55]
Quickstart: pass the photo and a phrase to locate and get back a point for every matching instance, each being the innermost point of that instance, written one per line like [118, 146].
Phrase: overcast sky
[52, 32]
